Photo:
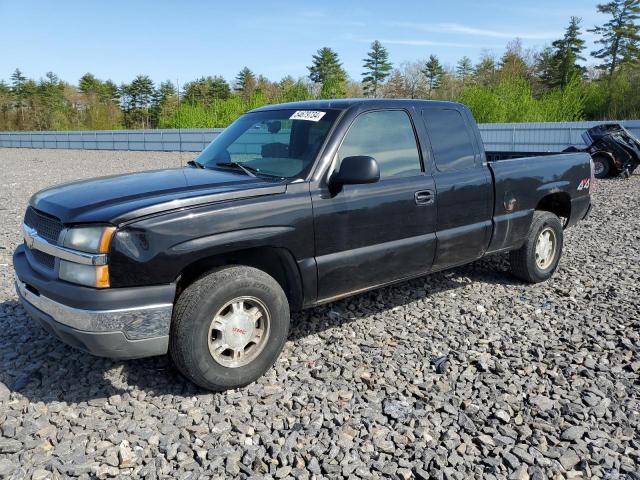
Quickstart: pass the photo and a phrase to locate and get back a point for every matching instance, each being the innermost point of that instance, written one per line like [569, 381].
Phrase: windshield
[276, 143]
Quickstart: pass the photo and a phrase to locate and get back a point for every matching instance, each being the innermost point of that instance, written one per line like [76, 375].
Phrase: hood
[121, 198]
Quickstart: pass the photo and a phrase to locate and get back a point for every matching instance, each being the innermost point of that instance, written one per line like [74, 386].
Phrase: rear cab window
[451, 141]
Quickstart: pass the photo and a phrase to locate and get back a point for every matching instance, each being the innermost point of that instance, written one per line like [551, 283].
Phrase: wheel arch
[275, 261]
[558, 203]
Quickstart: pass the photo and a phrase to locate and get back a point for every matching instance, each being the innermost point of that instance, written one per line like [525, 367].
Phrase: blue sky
[181, 41]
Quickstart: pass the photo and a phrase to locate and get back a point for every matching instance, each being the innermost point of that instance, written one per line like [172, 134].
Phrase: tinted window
[386, 136]
[450, 140]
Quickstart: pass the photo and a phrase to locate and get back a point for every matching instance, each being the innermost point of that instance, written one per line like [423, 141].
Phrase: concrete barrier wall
[506, 137]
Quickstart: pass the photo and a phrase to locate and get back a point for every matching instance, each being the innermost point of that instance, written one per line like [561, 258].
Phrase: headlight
[89, 239]
[89, 275]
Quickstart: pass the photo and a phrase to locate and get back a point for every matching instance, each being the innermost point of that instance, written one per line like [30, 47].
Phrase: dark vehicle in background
[613, 148]
[291, 206]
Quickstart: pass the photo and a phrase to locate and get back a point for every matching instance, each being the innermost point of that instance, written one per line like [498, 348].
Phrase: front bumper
[114, 323]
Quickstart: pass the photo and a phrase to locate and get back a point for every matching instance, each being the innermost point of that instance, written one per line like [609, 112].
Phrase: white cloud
[473, 31]
[431, 43]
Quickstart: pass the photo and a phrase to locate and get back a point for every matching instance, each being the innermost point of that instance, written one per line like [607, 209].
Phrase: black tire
[523, 261]
[195, 310]
[601, 166]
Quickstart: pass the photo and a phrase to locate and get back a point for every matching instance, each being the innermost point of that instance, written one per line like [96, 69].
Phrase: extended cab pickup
[291, 206]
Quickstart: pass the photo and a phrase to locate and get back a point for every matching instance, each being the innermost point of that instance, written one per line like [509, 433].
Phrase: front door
[368, 235]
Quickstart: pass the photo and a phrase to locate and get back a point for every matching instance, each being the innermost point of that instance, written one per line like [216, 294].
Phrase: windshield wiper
[195, 164]
[251, 171]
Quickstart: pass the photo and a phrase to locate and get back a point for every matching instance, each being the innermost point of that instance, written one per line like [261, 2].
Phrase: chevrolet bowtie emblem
[30, 241]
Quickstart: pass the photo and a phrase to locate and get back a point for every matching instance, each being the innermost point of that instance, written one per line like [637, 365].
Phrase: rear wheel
[229, 327]
[601, 166]
[538, 258]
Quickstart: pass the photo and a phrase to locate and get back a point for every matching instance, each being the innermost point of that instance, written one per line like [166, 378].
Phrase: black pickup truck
[291, 206]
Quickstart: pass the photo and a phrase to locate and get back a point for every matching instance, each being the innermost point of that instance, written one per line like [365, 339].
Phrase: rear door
[464, 188]
[368, 235]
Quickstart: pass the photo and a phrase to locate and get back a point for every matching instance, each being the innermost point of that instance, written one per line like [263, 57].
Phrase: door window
[450, 140]
[386, 136]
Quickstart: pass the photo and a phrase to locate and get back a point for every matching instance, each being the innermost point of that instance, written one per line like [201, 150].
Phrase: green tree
[327, 71]
[566, 53]
[96, 89]
[545, 66]
[49, 108]
[246, 83]
[6, 105]
[207, 90]
[620, 36]
[89, 84]
[513, 64]
[137, 101]
[464, 69]
[110, 92]
[24, 91]
[433, 70]
[485, 70]
[377, 68]
[293, 90]
[165, 101]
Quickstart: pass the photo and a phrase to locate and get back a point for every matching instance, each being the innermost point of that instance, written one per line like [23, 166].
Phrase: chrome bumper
[145, 321]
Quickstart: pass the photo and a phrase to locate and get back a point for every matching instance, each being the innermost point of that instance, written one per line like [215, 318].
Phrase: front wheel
[229, 327]
[538, 258]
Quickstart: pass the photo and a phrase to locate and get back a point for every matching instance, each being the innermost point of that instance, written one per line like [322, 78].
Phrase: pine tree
[246, 83]
[377, 68]
[433, 70]
[327, 71]
[165, 101]
[206, 90]
[89, 84]
[620, 36]
[18, 80]
[137, 98]
[545, 66]
[464, 69]
[485, 70]
[20, 89]
[109, 92]
[566, 53]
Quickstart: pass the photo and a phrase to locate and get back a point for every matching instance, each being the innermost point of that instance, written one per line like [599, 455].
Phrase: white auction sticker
[311, 115]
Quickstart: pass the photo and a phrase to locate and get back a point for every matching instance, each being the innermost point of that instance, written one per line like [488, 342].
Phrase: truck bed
[520, 181]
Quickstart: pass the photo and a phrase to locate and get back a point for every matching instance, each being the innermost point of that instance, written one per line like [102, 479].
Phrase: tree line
[551, 84]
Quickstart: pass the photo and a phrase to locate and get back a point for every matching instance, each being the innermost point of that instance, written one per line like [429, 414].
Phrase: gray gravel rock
[572, 433]
[10, 446]
[542, 379]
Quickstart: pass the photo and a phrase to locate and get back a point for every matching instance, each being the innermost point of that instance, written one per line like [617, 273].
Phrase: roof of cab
[345, 103]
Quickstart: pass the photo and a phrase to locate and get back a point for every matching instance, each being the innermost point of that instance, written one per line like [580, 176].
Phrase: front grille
[44, 259]
[47, 227]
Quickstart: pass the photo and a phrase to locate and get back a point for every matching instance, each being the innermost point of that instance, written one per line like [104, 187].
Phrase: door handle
[424, 197]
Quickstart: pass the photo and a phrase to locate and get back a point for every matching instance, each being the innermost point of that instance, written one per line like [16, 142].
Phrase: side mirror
[356, 170]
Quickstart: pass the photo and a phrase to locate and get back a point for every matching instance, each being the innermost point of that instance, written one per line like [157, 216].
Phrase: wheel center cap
[238, 330]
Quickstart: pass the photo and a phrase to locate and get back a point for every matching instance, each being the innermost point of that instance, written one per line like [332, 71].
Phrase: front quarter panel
[156, 250]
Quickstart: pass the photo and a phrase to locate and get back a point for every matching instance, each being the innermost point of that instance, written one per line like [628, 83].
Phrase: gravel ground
[543, 381]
